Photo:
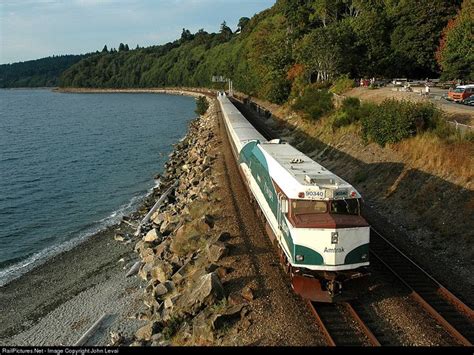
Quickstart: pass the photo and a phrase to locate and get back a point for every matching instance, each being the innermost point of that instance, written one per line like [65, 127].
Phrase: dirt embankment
[423, 203]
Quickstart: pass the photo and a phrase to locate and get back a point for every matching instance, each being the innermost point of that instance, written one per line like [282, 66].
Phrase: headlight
[299, 257]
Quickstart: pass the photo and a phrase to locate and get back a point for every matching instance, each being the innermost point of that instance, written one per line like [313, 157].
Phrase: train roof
[296, 174]
[242, 130]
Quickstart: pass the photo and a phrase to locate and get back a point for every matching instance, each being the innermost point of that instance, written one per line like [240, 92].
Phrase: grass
[432, 154]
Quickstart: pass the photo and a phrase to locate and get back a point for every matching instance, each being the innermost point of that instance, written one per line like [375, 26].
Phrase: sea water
[72, 164]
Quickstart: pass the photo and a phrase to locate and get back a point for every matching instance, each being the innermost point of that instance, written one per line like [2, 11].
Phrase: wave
[18, 267]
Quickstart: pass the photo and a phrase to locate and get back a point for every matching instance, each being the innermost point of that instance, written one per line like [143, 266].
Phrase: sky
[32, 29]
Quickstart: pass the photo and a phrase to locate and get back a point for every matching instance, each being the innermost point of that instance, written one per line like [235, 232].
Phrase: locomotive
[311, 214]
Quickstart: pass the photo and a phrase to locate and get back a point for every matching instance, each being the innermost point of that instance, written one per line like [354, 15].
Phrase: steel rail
[417, 292]
[325, 325]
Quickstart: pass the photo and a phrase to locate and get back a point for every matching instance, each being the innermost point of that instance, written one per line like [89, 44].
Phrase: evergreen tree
[105, 50]
[225, 32]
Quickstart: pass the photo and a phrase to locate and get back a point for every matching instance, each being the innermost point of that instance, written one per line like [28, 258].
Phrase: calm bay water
[71, 164]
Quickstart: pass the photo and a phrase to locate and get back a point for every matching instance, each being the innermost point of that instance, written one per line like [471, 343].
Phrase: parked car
[461, 93]
[469, 101]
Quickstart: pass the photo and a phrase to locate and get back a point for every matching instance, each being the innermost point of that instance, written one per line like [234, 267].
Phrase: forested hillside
[36, 73]
[297, 43]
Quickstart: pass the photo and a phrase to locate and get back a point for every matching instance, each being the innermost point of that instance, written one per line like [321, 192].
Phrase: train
[312, 215]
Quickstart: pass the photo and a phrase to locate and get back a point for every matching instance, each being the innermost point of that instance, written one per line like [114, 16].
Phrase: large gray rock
[206, 291]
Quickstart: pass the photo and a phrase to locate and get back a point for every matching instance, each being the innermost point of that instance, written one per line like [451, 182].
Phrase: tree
[243, 22]
[297, 13]
[225, 32]
[325, 11]
[105, 50]
[418, 25]
[455, 53]
[327, 52]
[186, 35]
[126, 47]
[372, 30]
[121, 47]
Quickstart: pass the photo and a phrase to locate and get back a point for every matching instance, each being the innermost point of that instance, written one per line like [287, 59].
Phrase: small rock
[235, 298]
[161, 271]
[222, 272]
[247, 293]
[147, 331]
[116, 338]
[151, 236]
[217, 251]
[158, 251]
[245, 323]
[169, 303]
[119, 237]
[160, 290]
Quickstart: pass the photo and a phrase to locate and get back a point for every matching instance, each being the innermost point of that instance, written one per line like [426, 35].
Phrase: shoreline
[194, 92]
[32, 303]
[83, 238]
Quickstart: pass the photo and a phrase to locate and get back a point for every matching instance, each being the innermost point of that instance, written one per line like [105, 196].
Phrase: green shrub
[201, 105]
[340, 119]
[350, 103]
[314, 103]
[342, 85]
[393, 120]
[349, 112]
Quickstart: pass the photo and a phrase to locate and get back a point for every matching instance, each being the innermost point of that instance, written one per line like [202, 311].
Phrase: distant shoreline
[170, 91]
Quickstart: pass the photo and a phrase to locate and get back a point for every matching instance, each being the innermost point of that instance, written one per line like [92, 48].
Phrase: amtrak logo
[334, 250]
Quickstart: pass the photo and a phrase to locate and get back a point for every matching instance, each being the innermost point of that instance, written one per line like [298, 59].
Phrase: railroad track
[342, 325]
[449, 311]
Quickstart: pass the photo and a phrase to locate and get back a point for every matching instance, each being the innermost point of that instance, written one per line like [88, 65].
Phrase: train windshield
[347, 207]
[303, 207]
